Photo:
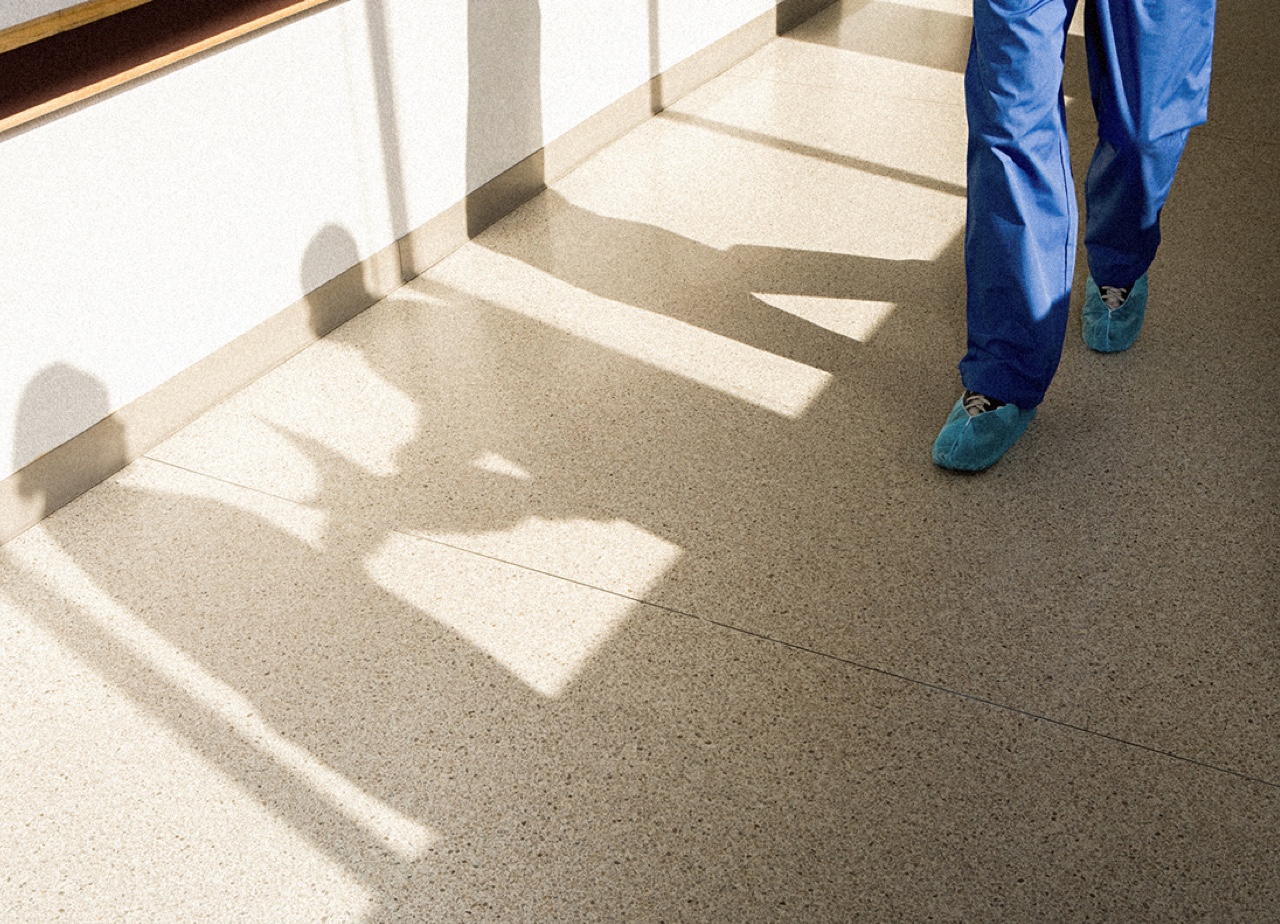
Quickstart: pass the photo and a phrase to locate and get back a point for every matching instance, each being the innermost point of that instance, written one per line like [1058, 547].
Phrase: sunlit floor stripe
[856, 319]
[769, 381]
[40, 556]
[541, 629]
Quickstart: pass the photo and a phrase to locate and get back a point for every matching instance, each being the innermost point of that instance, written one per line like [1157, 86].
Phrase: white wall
[148, 228]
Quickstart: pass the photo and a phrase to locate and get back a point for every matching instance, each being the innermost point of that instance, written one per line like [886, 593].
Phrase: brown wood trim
[62, 21]
[68, 67]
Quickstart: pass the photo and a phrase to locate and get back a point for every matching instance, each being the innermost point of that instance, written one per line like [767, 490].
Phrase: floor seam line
[795, 646]
[977, 699]
[221, 480]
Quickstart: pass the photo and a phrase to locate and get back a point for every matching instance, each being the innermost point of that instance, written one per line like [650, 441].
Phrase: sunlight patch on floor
[43, 559]
[854, 318]
[341, 402]
[543, 630]
[107, 814]
[495, 464]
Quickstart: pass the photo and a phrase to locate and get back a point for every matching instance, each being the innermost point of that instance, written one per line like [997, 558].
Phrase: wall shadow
[332, 300]
[59, 404]
[504, 108]
[380, 59]
[657, 101]
[788, 14]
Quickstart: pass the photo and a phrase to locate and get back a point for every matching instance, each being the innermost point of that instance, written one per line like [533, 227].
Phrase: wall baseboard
[791, 13]
[64, 473]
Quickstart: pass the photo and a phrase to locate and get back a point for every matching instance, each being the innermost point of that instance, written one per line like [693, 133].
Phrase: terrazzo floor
[601, 573]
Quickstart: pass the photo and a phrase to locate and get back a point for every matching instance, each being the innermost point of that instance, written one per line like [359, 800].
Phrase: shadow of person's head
[59, 404]
[333, 279]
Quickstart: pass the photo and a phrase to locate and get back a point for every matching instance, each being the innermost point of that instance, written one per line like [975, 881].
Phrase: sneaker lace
[975, 404]
[1114, 296]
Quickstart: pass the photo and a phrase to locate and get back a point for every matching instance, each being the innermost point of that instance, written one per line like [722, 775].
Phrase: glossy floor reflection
[601, 573]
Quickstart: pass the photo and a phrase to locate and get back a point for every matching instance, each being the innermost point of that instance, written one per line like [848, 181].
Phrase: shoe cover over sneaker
[1107, 329]
[972, 442]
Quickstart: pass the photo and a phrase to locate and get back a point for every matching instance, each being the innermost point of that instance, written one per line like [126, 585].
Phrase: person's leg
[1020, 235]
[1149, 68]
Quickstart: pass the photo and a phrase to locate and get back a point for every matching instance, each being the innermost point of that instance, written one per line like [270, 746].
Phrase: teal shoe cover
[1110, 330]
[970, 444]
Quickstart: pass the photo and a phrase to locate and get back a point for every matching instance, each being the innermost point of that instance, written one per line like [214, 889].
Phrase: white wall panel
[415, 102]
[595, 54]
[684, 28]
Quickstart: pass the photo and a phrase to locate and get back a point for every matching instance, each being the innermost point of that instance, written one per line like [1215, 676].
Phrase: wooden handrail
[62, 21]
[77, 63]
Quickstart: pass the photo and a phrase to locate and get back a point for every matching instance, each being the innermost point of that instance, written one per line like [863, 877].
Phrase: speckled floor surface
[601, 573]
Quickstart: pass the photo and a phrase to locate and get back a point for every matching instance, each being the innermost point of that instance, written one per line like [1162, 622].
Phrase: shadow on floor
[675, 764]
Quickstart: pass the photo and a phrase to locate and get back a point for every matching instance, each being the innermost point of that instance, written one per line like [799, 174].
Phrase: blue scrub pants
[1149, 63]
